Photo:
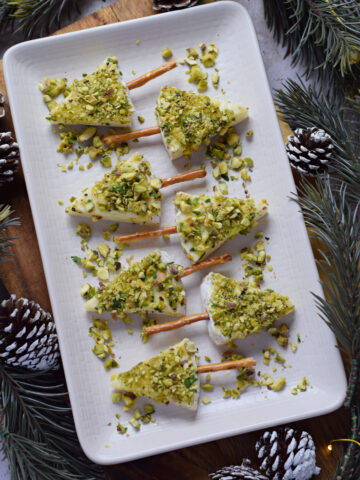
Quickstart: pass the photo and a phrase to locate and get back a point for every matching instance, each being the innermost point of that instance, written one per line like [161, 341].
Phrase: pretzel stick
[216, 367]
[139, 81]
[174, 324]
[134, 237]
[210, 262]
[183, 177]
[125, 137]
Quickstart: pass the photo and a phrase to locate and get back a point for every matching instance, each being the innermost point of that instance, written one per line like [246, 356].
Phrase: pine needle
[37, 428]
[323, 35]
[35, 17]
[308, 107]
[5, 241]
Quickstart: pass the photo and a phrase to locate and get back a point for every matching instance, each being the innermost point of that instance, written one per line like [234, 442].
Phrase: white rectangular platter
[242, 76]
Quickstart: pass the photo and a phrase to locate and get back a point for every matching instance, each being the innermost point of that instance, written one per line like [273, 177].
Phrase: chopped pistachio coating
[187, 120]
[100, 98]
[204, 222]
[126, 194]
[170, 377]
[149, 285]
[238, 309]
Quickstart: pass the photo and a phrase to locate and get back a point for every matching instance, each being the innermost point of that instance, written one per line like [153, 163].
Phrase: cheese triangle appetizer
[204, 223]
[170, 377]
[187, 120]
[238, 309]
[150, 285]
[129, 193]
[100, 98]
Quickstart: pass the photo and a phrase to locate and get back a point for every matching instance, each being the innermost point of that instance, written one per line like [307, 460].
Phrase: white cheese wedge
[129, 193]
[188, 120]
[238, 309]
[100, 98]
[150, 285]
[170, 377]
[204, 222]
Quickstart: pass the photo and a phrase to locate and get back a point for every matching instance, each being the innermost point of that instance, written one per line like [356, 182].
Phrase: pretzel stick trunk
[183, 177]
[174, 324]
[140, 81]
[234, 364]
[134, 237]
[125, 137]
[210, 262]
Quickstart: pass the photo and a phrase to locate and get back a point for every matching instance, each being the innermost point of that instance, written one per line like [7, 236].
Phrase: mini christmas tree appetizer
[234, 309]
[204, 223]
[150, 285]
[127, 194]
[187, 120]
[172, 376]
[100, 98]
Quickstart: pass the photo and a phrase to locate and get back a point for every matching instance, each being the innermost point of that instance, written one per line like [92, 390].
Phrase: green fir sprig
[5, 241]
[35, 17]
[332, 220]
[322, 35]
[37, 428]
[349, 465]
[307, 107]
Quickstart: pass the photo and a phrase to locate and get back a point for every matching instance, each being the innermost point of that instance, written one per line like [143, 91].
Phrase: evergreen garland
[35, 17]
[322, 35]
[331, 209]
[37, 428]
[332, 220]
[306, 106]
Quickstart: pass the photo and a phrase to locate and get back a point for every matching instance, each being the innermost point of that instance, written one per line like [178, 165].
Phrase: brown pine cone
[27, 335]
[2, 105]
[238, 472]
[9, 157]
[309, 150]
[287, 454]
[165, 5]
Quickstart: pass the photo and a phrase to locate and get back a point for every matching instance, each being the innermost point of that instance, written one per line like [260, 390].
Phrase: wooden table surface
[24, 276]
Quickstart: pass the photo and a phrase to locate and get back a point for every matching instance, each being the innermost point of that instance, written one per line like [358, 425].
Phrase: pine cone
[2, 105]
[287, 455]
[173, 4]
[9, 157]
[309, 150]
[238, 472]
[27, 335]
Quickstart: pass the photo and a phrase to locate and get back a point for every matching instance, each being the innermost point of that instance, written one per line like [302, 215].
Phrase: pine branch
[320, 34]
[308, 107]
[35, 17]
[349, 466]
[5, 222]
[332, 220]
[37, 428]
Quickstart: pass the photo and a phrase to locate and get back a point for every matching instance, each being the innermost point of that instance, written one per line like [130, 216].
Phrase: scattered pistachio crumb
[207, 386]
[250, 133]
[141, 119]
[138, 42]
[121, 429]
[206, 400]
[60, 202]
[83, 230]
[166, 53]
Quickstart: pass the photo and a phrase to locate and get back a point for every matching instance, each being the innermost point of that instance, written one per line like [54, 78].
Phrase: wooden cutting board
[24, 276]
